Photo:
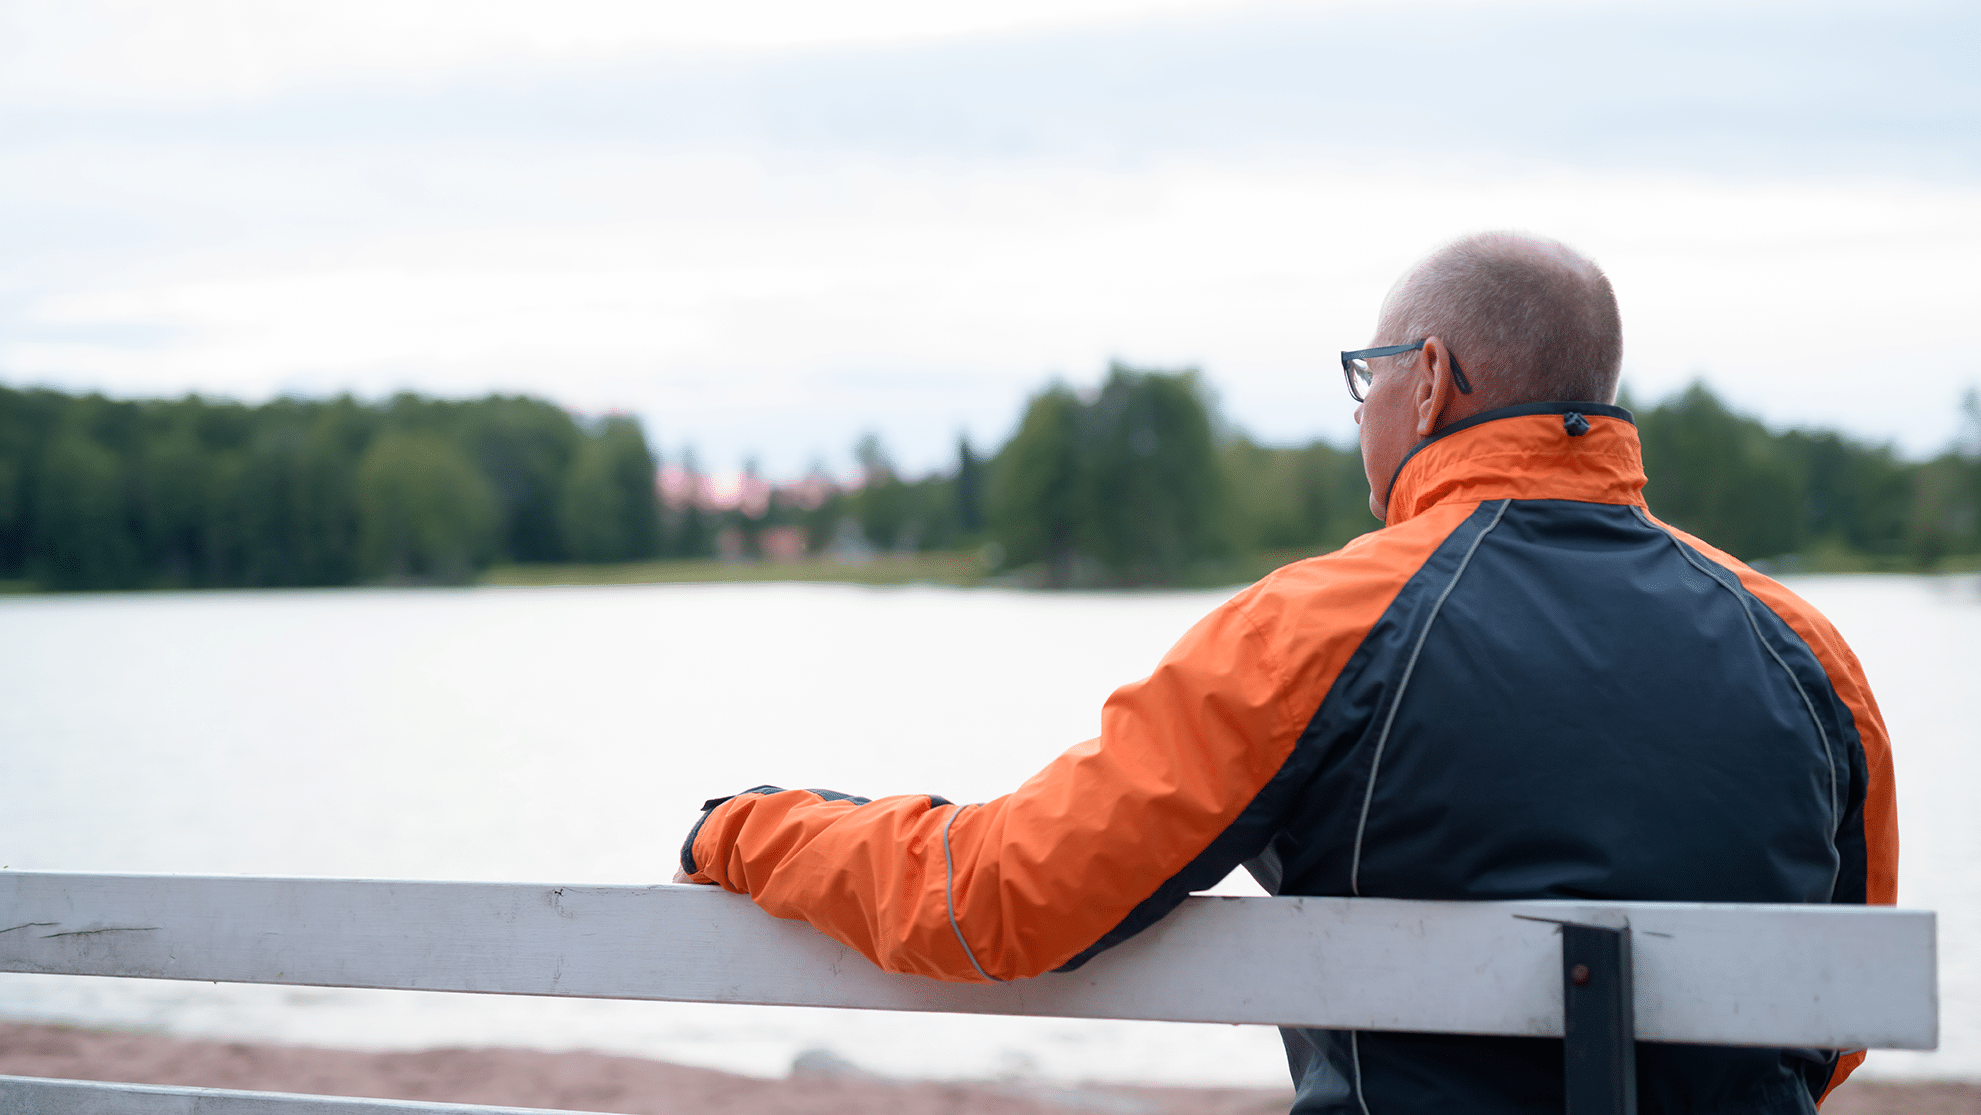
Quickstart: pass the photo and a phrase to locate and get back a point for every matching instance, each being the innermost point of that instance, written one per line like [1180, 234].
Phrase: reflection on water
[568, 735]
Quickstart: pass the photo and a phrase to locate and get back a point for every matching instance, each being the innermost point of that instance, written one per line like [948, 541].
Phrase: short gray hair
[1528, 319]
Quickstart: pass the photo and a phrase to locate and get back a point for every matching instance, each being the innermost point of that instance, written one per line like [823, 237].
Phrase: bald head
[1528, 319]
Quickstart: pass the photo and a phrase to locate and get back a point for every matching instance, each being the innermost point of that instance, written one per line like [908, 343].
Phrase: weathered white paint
[1823, 976]
[26, 1095]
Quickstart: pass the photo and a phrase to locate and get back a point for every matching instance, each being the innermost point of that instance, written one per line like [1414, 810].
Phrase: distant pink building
[773, 544]
[737, 491]
[782, 543]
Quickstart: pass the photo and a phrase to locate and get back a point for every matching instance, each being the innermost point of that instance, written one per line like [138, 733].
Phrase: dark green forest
[1135, 483]
[190, 493]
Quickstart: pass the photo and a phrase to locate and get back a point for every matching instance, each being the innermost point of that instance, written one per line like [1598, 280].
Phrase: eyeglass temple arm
[1458, 379]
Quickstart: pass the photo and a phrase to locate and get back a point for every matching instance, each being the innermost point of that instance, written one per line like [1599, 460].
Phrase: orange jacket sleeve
[1021, 884]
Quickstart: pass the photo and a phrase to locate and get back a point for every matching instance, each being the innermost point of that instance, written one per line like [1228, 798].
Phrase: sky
[770, 227]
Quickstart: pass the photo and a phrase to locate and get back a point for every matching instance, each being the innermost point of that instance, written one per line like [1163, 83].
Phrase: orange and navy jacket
[1523, 687]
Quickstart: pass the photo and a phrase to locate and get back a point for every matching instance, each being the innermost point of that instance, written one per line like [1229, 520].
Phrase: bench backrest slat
[1822, 976]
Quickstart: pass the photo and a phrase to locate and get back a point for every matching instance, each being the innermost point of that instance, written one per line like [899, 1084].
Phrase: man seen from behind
[1524, 686]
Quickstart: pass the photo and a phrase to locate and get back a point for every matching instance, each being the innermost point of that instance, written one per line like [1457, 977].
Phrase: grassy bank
[959, 569]
[956, 569]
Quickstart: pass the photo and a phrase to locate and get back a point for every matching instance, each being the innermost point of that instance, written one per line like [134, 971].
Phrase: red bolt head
[1579, 975]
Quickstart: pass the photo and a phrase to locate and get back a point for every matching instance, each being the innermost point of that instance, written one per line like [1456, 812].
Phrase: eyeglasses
[1355, 367]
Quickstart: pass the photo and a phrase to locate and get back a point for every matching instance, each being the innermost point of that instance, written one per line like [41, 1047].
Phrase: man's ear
[1435, 389]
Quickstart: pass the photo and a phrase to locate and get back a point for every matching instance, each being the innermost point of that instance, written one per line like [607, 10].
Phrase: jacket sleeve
[1022, 884]
[1876, 808]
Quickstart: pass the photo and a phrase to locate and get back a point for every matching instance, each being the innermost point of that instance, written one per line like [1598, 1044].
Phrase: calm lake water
[568, 735]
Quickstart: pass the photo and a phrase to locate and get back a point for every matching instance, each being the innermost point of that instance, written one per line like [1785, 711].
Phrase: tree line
[1133, 483]
[196, 493]
[1811, 499]
[1136, 484]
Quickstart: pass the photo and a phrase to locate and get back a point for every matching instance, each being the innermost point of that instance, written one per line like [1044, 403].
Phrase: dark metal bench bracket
[1600, 1053]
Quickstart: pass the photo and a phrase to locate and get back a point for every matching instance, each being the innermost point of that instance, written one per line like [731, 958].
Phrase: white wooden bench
[1602, 974]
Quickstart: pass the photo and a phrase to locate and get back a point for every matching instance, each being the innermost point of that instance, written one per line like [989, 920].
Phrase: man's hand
[681, 876]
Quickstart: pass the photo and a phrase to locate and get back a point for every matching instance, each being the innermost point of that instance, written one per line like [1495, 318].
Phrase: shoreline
[819, 1084]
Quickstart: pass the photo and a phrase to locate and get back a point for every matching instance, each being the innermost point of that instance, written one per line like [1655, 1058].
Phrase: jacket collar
[1523, 452]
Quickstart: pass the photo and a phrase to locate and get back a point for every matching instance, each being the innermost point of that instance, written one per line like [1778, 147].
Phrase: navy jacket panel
[1566, 725]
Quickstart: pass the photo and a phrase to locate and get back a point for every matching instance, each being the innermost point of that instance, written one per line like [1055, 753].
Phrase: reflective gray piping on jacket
[949, 892]
[1375, 764]
[1355, 1055]
[1740, 594]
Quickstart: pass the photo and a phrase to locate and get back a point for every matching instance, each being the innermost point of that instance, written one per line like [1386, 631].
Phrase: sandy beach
[819, 1085]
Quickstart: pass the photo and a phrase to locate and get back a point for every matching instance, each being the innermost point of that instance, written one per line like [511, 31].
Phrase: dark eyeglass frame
[1355, 367]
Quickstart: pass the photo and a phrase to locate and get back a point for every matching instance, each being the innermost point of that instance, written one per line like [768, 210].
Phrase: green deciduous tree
[1944, 511]
[969, 490]
[1128, 483]
[84, 537]
[611, 509]
[1039, 501]
[1720, 476]
[424, 513]
[1153, 483]
[687, 529]
[1290, 501]
[885, 505]
[525, 448]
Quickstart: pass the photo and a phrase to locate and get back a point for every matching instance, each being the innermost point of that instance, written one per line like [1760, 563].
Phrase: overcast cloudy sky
[768, 227]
